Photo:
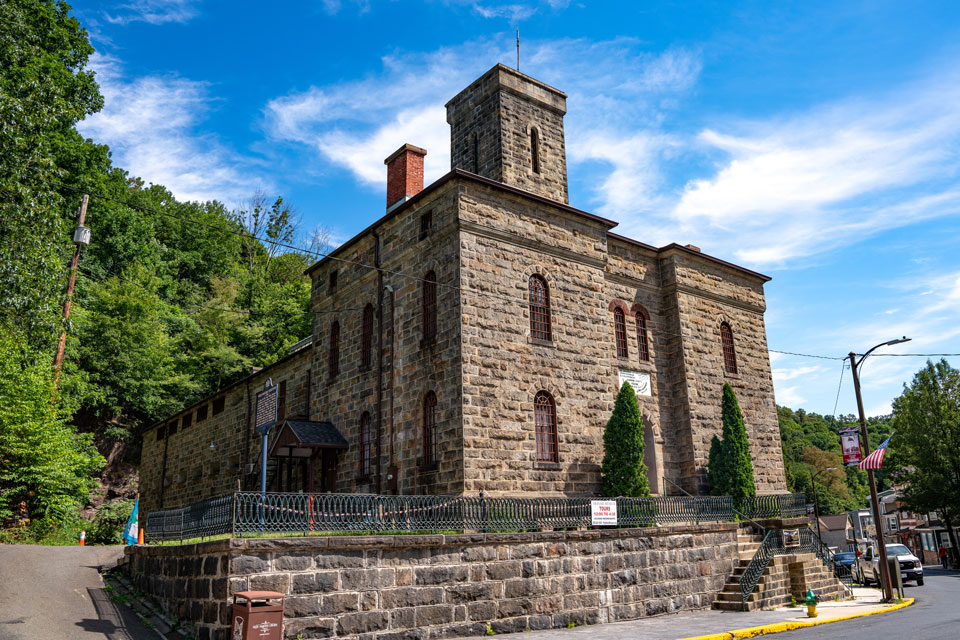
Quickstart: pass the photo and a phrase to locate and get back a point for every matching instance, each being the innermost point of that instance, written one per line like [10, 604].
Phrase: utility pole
[884, 572]
[81, 237]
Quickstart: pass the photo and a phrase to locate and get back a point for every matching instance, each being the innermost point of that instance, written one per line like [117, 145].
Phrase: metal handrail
[732, 500]
[771, 545]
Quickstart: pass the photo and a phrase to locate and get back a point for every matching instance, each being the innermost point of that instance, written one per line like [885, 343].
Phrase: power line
[912, 355]
[320, 254]
[203, 306]
[805, 355]
[843, 368]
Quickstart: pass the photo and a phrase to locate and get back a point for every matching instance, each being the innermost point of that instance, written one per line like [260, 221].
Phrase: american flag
[875, 459]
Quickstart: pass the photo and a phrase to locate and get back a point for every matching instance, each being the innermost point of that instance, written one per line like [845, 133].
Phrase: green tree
[43, 461]
[730, 466]
[44, 91]
[623, 471]
[925, 451]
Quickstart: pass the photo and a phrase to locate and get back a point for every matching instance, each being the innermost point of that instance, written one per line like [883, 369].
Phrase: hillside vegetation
[173, 299]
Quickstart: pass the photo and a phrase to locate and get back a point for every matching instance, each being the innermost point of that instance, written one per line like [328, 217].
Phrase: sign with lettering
[791, 538]
[603, 513]
[850, 445]
[638, 380]
[266, 412]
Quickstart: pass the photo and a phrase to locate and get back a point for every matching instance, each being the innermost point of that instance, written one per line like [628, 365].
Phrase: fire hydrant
[811, 601]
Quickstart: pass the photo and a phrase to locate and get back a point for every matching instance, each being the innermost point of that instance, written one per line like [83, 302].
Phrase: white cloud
[512, 12]
[791, 187]
[782, 375]
[150, 124]
[356, 124]
[154, 11]
[789, 396]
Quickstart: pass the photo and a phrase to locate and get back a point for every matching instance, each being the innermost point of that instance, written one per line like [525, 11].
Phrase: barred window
[535, 149]
[366, 445]
[429, 428]
[202, 413]
[539, 308]
[161, 433]
[187, 421]
[620, 329]
[366, 337]
[642, 343]
[218, 405]
[545, 418]
[282, 401]
[333, 281]
[171, 428]
[333, 359]
[729, 353]
[429, 306]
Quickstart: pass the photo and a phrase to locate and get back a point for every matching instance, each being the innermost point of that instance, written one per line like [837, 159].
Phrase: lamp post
[854, 364]
[816, 507]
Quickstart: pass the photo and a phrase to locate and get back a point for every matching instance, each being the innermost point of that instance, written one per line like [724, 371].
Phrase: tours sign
[850, 445]
[639, 380]
[603, 513]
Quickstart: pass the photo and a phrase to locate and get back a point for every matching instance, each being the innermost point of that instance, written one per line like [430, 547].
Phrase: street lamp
[816, 508]
[854, 364]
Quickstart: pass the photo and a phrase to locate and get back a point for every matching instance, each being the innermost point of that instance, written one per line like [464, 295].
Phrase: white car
[868, 565]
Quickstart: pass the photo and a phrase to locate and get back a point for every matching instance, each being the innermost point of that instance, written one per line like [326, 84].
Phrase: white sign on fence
[603, 513]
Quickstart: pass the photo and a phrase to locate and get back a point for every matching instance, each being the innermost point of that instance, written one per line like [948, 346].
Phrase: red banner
[850, 444]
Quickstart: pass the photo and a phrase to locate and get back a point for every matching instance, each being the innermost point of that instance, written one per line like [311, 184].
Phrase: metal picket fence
[278, 514]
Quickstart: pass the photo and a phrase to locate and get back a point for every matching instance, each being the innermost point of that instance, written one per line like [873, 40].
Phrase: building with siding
[475, 336]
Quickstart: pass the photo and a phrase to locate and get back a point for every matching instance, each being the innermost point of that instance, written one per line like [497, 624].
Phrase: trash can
[256, 617]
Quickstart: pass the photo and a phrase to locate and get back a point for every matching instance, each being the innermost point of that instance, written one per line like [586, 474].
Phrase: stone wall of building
[436, 586]
[493, 125]
[178, 465]
[708, 294]
[420, 365]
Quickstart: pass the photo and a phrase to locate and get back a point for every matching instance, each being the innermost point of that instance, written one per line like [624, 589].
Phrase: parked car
[845, 559]
[868, 565]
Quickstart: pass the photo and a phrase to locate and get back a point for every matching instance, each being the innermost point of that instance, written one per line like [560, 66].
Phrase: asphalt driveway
[57, 592]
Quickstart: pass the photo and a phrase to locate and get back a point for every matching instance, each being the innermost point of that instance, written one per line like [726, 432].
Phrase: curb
[779, 627]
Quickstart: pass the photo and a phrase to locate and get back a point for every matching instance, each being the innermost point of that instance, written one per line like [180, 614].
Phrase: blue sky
[816, 142]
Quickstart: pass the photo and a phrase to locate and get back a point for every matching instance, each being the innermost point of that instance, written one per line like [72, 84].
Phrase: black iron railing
[253, 513]
[777, 543]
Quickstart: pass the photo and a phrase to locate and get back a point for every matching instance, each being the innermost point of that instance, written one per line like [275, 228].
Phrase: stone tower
[509, 127]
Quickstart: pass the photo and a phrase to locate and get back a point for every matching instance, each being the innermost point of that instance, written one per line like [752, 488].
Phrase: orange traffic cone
[83, 537]
[139, 535]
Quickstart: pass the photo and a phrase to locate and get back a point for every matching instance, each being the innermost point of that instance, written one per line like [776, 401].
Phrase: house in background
[837, 532]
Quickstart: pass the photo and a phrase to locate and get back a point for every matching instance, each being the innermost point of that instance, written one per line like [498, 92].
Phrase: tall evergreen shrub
[730, 469]
[623, 471]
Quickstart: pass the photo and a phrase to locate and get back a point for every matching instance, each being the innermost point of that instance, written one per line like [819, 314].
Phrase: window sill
[365, 367]
[547, 466]
[732, 376]
[363, 479]
[428, 343]
[540, 343]
[427, 468]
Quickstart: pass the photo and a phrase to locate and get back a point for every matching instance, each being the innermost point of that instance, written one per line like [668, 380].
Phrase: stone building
[474, 338]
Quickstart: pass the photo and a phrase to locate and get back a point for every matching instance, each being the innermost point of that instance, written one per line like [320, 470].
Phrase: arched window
[366, 337]
[729, 353]
[642, 343]
[545, 418]
[333, 360]
[620, 329]
[539, 309]
[428, 316]
[429, 428]
[366, 445]
[535, 149]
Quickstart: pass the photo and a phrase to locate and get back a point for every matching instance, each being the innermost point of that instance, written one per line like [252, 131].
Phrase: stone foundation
[437, 586]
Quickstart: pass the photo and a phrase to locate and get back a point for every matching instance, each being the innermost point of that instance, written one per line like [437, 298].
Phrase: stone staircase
[784, 576]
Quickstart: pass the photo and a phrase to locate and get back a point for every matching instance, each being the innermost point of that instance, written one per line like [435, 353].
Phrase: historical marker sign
[603, 513]
[638, 380]
[266, 415]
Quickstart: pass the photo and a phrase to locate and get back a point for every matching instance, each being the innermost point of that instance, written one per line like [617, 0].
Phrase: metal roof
[321, 434]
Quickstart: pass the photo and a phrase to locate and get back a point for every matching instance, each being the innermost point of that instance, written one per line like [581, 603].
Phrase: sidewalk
[717, 625]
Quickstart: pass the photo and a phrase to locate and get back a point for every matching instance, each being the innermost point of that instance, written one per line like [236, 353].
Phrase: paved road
[56, 593]
[934, 616]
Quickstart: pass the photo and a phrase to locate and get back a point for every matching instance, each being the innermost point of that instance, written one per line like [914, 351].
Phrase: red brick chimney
[404, 174]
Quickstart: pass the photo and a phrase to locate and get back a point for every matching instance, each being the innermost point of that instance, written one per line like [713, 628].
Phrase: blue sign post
[266, 417]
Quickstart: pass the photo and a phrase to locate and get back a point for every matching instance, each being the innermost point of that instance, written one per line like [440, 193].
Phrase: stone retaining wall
[436, 586]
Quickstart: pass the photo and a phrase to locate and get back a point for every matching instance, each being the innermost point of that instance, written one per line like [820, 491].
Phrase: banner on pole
[850, 445]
